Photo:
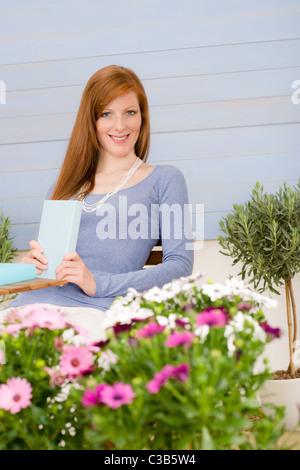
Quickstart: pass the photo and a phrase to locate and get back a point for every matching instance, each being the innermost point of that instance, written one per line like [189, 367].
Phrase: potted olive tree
[263, 236]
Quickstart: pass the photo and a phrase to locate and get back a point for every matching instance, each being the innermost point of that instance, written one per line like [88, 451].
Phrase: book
[16, 272]
[58, 232]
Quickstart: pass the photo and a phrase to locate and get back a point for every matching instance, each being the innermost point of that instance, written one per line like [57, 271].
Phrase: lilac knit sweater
[115, 242]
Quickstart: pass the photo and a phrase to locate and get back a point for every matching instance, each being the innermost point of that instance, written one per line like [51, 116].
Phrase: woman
[123, 197]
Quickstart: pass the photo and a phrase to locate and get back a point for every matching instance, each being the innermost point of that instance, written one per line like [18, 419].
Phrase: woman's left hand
[74, 270]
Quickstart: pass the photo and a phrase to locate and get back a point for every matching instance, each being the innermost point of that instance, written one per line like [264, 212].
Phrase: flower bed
[176, 372]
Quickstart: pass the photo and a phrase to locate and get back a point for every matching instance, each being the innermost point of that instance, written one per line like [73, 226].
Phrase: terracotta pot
[283, 393]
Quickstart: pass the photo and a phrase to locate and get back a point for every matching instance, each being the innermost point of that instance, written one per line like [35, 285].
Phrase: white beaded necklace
[93, 207]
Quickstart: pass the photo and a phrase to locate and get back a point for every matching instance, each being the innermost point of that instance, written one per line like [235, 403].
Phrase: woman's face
[119, 126]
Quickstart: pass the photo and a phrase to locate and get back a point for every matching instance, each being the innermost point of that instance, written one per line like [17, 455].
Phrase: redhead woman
[128, 205]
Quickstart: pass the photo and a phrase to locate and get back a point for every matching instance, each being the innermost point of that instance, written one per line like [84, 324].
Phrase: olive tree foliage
[263, 235]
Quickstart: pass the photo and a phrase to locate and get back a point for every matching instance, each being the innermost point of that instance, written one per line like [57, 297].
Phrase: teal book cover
[16, 272]
[58, 232]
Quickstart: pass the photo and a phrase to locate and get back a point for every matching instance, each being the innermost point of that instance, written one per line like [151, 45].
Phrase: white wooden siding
[218, 76]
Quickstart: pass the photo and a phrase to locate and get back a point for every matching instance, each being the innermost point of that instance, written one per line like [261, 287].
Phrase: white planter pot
[283, 393]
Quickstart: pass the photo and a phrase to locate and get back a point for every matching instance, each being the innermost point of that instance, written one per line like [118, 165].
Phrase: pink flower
[56, 377]
[180, 339]
[13, 328]
[43, 318]
[160, 378]
[169, 371]
[212, 317]
[58, 343]
[76, 360]
[15, 395]
[244, 306]
[117, 395]
[150, 330]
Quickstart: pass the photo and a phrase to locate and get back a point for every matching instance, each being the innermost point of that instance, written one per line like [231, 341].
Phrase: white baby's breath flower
[262, 300]
[237, 324]
[168, 322]
[156, 294]
[106, 359]
[215, 291]
[235, 286]
[202, 331]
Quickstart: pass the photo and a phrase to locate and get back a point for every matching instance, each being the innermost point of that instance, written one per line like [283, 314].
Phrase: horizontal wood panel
[217, 183]
[161, 92]
[27, 184]
[166, 147]
[237, 141]
[165, 35]
[19, 20]
[185, 117]
[159, 64]
[208, 10]
[32, 156]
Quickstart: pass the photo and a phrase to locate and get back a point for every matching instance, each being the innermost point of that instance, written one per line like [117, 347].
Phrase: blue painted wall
[218, 76]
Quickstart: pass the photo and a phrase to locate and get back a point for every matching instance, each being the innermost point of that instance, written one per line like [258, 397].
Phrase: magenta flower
[181, 372]
[271, 332]
[93, 397]
[213, 317]
[180, 339]
[120, 327]
[160, 378]
[181, 323]
[15, 395]
[150, 330]
[76, 360]
[169, 371]
[116, 395]
[89, 398]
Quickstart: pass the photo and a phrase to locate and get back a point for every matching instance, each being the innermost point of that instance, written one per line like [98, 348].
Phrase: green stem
[176, 394]
[25, 438]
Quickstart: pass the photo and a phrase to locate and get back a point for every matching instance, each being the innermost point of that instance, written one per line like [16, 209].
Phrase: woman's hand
[74, 270]
[35, 256]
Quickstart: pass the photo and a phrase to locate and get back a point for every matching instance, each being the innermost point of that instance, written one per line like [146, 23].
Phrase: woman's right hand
[35, 256]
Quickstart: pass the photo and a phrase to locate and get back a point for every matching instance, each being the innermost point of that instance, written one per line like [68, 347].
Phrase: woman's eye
[131, 113]
[105, 114]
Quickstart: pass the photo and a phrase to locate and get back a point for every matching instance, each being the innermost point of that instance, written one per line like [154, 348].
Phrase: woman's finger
[29, 260]
[35, 254]
[73, 256]
[34, 245]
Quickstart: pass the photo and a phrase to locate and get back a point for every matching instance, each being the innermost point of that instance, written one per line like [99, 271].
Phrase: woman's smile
[119, 125]
[119, 139]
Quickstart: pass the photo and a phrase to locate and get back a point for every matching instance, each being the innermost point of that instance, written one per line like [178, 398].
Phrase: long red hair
[77, 174]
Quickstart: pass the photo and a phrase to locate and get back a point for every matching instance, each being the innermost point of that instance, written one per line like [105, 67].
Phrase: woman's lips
[119, 139]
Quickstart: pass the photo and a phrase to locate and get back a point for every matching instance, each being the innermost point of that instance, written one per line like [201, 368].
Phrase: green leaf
[207, 441]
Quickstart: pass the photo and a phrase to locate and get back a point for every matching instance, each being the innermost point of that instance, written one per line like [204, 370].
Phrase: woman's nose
[119, 123]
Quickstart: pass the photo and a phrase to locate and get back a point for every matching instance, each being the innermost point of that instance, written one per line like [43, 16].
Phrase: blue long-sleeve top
[115, 241]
